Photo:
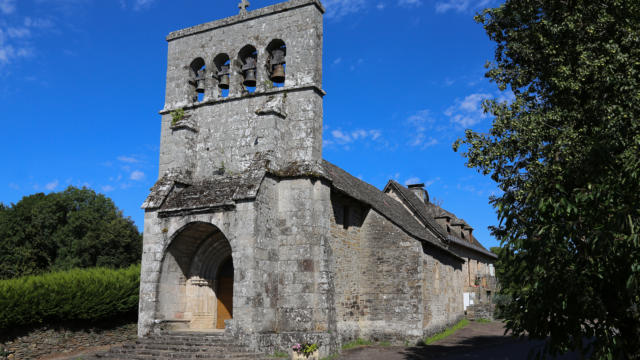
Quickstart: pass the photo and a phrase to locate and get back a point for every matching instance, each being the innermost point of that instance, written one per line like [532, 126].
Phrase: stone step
[183, 346]
[186, 343]
[245, 356]
[186, 348]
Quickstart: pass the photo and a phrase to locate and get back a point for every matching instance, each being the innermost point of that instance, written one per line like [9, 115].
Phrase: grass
[356, 343]
[384, 343]
[439, 336]
[279, 355]
[482, 320]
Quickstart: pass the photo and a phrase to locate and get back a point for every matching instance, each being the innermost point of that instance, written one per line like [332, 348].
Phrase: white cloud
[7, 6]
[336, 9]
[346, 137]
[128, 159]
[14, 186]
[468, 111]
[137, 175]
[142, 4]
[412, 180]
[18, 33]
[52, 185]
[38, 23]
[461, 5]
[431, 182]
[337, 61]
[107, 188]
[409, 3]
[421, 123]
[380, 6]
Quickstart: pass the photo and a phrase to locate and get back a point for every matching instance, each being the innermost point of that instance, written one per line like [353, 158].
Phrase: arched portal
[197, 276]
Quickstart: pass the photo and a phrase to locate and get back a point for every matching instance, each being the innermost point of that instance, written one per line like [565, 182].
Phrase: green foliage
[384, 343]
[73, 295]
[279, 355]
[441, 335]
[566, 154]
[356, 343]
[65, 230]
[176, 116]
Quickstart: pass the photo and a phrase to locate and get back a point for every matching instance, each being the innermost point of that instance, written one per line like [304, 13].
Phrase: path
[475, 341]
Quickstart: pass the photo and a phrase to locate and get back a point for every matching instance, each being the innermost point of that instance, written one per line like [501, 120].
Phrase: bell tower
[244, 85]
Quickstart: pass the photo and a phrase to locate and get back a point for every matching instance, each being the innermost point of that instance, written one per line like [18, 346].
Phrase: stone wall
[443, 301]
[64, 340]
[388, 287]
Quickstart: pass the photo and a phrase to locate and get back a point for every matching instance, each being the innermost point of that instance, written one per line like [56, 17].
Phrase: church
[248, 231]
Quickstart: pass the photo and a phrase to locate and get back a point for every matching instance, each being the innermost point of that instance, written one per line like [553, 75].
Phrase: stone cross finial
[244, 4]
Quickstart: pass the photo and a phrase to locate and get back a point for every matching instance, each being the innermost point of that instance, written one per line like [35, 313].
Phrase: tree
[60, 231]
[566, 154]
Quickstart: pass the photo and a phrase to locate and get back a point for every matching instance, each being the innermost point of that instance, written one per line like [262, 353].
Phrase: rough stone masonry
[249, 231]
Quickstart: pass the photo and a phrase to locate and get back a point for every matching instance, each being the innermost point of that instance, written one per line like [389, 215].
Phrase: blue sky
[82, 81]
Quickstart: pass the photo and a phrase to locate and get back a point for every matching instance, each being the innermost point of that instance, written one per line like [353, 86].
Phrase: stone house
[249, 230]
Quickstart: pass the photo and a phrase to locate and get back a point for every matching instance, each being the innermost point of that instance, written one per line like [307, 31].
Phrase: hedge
[75, 295]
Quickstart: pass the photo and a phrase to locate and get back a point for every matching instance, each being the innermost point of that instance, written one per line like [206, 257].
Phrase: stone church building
[249, 230]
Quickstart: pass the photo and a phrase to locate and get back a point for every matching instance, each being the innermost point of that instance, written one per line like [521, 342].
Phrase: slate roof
[219, 191]
[174, 193]
[419, 208]
[382, 203]
[474, 246]
[427, 212]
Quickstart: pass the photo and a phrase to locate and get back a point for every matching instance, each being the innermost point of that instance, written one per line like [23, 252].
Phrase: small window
[249, 59]
[222, 72]
[276, 63]
[197, 76]
[448, 230]
[345, 216]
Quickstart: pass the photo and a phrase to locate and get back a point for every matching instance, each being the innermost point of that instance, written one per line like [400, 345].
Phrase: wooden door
[225, 300]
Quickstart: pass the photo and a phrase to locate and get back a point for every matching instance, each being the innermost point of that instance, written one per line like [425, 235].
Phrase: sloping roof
[418, 207]
[218, 191]
[427, 212]
[473, 246]
[383, 204]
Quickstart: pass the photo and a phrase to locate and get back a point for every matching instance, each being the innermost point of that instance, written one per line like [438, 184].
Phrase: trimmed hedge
[75, 295]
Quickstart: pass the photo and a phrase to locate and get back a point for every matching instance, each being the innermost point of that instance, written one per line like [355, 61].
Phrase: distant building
[249, 230]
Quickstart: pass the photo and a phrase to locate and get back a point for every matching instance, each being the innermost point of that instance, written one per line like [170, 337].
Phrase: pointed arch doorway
[196, 284]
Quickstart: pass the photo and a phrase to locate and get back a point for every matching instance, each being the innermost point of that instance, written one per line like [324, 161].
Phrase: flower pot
[313, 356]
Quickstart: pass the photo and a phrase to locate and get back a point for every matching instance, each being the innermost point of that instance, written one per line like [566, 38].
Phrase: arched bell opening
[192, 284]
[248, 57]
[276, 62]
[197, 80]
[222, 73]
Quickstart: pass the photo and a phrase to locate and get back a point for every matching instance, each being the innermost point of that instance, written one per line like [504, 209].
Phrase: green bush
[74, 295]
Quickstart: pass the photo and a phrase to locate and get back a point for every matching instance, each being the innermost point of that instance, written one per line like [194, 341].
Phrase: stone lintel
[230, 98]
[196, 210]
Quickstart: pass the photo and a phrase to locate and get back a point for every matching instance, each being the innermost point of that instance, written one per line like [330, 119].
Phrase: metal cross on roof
[243, 6]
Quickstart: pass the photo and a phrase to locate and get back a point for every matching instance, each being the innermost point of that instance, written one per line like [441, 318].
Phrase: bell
[223, 76]
[224, 82]
[200, 86]
[200, 82]
[249, 78]
[277, 76]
